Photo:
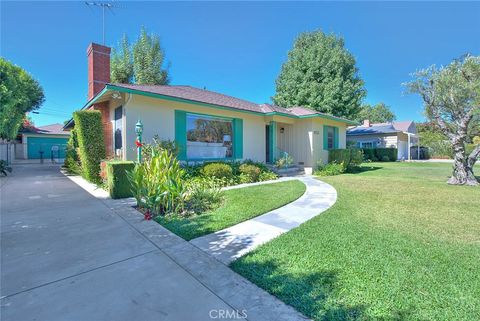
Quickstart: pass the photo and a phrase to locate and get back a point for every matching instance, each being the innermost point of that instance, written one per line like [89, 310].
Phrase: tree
[321, 74]
[379, 113]
[121, 65]
[19, 94]
[451, 98]
[140, 63]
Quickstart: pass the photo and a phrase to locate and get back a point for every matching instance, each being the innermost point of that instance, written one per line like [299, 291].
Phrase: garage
[44, 142]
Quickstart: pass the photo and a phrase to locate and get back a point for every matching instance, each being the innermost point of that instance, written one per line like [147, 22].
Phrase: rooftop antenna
[103, 5]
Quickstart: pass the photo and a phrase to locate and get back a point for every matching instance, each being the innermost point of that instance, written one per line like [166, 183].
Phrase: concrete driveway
[66, 255]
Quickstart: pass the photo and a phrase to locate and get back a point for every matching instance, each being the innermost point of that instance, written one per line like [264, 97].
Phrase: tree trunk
[463, 166]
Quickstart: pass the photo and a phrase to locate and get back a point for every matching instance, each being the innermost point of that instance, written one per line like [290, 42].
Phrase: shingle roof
[52, 129]
[210, 97]
[381, 128]
[374, 129]
[196, 94]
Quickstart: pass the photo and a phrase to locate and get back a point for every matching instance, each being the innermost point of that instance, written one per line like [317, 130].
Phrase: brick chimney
[98, 68]
[98, 57]
[366, 123]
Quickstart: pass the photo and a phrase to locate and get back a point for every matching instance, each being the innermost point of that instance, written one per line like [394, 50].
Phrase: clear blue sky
[238, 48]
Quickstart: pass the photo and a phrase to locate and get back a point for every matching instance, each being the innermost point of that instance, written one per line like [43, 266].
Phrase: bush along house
[206, 125]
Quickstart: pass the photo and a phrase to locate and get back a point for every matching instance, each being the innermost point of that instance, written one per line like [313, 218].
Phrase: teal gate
[44, 147]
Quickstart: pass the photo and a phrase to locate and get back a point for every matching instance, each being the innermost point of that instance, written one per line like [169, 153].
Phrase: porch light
[139, 131]
[139, 128]
[282, 130]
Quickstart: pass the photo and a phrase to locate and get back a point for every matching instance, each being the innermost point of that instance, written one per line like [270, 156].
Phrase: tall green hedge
[117, 179]
[380, 154]
[349, 157]
[72, 160]
[89, 130]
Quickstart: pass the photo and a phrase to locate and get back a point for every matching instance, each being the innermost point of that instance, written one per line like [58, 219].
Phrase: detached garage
[45, 142]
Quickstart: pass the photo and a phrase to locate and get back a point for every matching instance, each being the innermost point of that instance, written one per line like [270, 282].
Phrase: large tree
[321, 74]
[379, 113]
[140, 63]
[19, 94]
[451, 98]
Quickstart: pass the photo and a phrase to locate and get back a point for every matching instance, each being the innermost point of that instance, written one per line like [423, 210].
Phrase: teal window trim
[181, 136]
[273, 140]
[335, 137]
[181, 133]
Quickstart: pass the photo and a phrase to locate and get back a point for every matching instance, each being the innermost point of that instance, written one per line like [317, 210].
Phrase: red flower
[138, 143]
[147, 216]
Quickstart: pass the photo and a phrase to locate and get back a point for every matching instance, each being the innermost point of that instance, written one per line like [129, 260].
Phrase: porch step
[289, 171]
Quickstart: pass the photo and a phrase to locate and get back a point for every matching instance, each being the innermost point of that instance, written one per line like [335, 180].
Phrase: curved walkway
[231, 243]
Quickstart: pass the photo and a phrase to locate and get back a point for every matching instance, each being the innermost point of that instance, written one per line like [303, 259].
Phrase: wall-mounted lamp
[282, 130]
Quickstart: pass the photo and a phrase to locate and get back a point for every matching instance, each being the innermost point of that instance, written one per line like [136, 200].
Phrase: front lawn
[239, 205]
[399, 244]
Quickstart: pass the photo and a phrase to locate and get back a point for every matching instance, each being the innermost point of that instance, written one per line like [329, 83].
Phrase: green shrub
[330, 169]
[157, 145]
[376, 154]
[390, 153]
[252, 171]
[267, 176]
[202, 195]
[158, 184]
[72, 160]
[89, 130]
[118, 183]
[217, 170]
[284, 161]
[350, 157]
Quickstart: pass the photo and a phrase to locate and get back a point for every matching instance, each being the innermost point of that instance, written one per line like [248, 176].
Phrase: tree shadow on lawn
[314, 294]
[362, 169]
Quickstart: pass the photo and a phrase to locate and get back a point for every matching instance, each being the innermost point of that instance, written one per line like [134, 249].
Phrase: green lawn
[399, 244]
[239, 205]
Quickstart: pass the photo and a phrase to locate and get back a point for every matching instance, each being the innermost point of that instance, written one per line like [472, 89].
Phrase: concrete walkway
[66, 255]
[231, 243]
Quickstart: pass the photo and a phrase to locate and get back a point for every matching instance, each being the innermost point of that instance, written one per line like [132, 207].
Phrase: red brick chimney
[98, 68]
[98, 75]
[366, 123]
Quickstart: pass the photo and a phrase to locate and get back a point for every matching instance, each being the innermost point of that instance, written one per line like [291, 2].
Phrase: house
[206, 125]
[42, 142]
[400, 135]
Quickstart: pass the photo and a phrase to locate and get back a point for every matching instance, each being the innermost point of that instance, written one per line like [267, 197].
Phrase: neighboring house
[398, 135]
[206, 125]
[42, 142]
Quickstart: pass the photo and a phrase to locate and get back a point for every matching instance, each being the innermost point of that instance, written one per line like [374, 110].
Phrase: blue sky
[238, 48]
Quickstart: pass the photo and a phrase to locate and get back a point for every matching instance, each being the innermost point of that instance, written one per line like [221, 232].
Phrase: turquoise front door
[46, 146]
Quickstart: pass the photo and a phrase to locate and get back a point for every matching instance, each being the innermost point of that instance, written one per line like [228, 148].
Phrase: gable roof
[208, 98]
[52, 129]
[381, 128]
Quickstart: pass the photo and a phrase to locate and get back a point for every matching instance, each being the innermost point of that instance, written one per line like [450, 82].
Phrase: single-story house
[400, 135]
[206, 125]
[42, 142]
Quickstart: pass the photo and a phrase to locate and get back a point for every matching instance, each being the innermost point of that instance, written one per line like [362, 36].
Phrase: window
[367, 145]
[330, 137]
[209, 137]
[118, 127]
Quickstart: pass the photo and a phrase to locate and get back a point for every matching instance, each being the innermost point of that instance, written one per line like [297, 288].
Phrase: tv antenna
[103, 5]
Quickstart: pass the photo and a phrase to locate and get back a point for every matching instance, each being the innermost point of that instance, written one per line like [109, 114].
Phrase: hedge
[89, 130]
[117, 180]
[72, 160]
[380, 154]
[349, 157]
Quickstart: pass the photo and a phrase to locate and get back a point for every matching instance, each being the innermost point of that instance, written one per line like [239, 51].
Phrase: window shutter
[325, 137]
[181, 133]
[238, 138]
[335, 137]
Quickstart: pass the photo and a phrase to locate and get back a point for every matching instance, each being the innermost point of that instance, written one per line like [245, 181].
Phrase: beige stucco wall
[302, 138]
[158, 118]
